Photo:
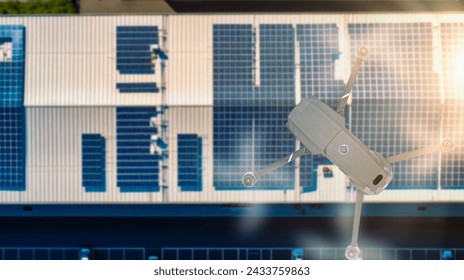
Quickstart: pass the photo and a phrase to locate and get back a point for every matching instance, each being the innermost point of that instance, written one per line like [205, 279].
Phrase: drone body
[321, 130]
[368, 171]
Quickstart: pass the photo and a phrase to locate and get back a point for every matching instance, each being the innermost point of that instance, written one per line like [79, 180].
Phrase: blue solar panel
[400, 62]
[133, 49]
[137, 168]
[189, 162]
[318, 45]
[249, 117]
[93, 163]
[12, 56]
[396, 98]
[137, 88]
[12, 149]
[12, 112]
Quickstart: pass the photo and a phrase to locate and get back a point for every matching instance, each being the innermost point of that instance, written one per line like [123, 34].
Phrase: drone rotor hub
[249, 179]
[362, 52]
[447, 145]
[353, 252]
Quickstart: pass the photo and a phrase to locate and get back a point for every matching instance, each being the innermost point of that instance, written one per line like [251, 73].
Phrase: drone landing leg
[353, 252]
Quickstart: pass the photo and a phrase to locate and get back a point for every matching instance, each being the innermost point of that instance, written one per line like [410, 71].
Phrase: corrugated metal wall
[71, 65]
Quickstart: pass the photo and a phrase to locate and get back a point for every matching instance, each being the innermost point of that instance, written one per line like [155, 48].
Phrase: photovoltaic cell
[93, 163]
[189, 162]
[249, 117]
[318, 45]
[396, 98]
[452, 39]
[133, 49]
[12, 112]
[137, 168]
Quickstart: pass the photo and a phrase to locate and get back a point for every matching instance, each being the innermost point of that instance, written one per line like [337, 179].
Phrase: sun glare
[456, 73]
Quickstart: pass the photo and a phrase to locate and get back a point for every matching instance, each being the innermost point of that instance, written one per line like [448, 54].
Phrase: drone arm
[250, 178]
[361, 55]
[446, 145]
[281, 162]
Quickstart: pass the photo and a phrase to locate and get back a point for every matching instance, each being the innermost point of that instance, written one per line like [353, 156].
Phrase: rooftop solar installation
[133, 49]
[239, 76]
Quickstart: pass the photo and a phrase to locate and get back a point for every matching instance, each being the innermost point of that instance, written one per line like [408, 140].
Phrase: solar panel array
[452, 168]
[12, 112]
[251, 106]
[396, 98]
[93, 163]
[318, 44]
[133, 49]
[189, 162]
[137, 168]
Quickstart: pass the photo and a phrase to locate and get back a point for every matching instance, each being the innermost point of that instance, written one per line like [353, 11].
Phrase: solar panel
[253, 94]
[452, 167]
[396, 98]
[233, 92]
[12, 112]
[189, 162]
[318, 45]
[137, 88]
[93, 163]
[137, 168]
[133, 49]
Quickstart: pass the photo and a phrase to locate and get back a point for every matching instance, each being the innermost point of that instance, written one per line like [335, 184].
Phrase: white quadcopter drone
[321, 130]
